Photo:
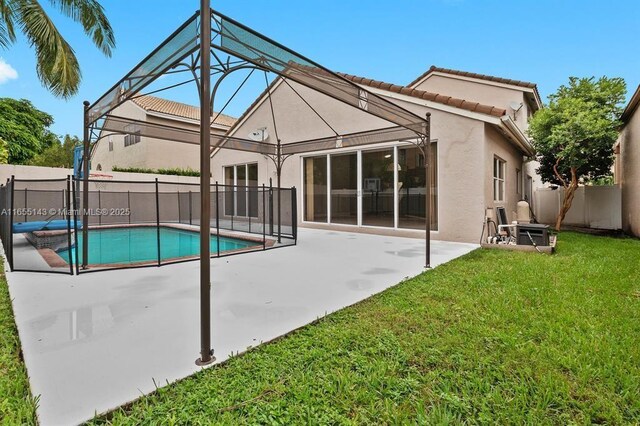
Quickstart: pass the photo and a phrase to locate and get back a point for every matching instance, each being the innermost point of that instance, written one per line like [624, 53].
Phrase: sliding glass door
[315, 189]
[344, 189]
[412, 187]
[241, 190]
[387, 186]
[378, 188]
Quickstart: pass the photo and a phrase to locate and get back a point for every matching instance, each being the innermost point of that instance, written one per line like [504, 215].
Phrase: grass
[17, 406]
[492, 337]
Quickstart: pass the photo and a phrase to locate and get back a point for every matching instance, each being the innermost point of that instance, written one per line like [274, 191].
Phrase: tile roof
[428, 96]
[421, 94]
[433, 68]
[165, 106]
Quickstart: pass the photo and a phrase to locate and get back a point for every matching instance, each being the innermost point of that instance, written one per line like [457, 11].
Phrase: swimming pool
[139, 244]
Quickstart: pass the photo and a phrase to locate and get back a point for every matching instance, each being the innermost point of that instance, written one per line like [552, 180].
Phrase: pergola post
[206, 353]
[85, 191]
[279, 175]
[427, 215]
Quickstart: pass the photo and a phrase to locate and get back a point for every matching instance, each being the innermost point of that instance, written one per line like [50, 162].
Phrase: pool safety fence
[133, 224]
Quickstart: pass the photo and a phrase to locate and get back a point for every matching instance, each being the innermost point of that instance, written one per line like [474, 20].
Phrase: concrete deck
[95, 341]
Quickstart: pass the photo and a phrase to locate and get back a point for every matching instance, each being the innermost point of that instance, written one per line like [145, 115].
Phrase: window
[372, 187]
[499, 166]
[412, 187]
[315, 189]
[131, 139]
[519, 181]
[110, 145]
[241, 190]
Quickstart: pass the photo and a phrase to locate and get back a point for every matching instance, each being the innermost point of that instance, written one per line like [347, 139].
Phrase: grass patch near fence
[17, 406]
[492, 337]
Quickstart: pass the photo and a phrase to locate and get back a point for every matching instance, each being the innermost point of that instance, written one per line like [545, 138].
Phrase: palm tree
[57, 65]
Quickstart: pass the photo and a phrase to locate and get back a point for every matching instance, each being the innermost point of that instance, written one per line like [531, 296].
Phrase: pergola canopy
[180, 53]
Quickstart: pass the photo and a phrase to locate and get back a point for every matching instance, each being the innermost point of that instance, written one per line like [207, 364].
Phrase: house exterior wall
[462, 157]
[149, 153]
[629, 167]
[480, 91]
[497, 146]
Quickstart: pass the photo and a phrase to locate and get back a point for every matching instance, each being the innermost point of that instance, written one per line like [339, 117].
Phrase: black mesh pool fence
[135, 224]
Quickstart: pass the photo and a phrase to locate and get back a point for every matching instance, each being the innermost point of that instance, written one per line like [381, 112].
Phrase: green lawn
[492, 337]
[17, 407]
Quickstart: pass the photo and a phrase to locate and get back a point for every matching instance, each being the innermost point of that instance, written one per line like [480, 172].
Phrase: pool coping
[54, 260]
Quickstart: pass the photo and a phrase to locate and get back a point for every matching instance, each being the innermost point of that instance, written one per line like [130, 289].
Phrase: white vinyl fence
[597, 207]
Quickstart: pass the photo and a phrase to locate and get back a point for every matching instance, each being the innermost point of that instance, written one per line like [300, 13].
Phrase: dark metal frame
[302, 73]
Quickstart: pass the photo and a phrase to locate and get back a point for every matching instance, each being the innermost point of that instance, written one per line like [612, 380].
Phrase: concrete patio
[95, 341]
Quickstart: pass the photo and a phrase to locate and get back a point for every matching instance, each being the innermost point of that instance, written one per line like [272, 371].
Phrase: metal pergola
[211, 41]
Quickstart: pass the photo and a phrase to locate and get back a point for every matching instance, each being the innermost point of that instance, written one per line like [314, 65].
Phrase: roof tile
[165, 106]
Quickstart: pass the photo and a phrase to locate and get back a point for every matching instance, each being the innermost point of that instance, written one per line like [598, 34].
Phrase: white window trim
[499, 193]
[235, 185]
[359, 192]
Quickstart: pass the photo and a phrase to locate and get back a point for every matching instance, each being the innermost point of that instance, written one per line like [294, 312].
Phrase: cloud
[7, 72]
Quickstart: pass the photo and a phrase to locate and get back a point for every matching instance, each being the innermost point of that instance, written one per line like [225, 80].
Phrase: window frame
[245, 184]
[128, 139]
[499, 181]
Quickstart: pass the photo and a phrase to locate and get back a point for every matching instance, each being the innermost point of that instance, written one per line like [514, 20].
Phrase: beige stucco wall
[465, 153]
[149, 152]
[36, 172]
[496, 145]
[629, 168]
[480, 91]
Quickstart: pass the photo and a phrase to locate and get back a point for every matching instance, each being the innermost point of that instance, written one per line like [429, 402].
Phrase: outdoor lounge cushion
[52, 225]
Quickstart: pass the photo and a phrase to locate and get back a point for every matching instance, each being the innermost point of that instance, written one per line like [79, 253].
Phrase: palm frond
[57, 65]
[90, 14]
[7, 32]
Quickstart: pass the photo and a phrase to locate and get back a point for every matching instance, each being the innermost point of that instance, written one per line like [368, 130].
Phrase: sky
[541, 41]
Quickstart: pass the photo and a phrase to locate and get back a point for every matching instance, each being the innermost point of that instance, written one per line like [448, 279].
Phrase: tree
[574, 135]
[4, 152]
[25, 129]
[57, 65]
[58, 154]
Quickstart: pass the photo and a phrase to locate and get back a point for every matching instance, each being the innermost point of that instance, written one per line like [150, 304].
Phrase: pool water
[139, 244]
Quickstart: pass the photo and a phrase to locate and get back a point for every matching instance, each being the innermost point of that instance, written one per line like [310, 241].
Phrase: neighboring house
[479, 155]
[627, 165]
[144, 152]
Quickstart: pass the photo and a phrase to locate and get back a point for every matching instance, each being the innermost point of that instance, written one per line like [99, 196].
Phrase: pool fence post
[158, 221]
[67, 209]
[271, 207]
[294, 214]
[99, 208]
[206, 352]
[264, 217]
[190, 212]
[217, 219]
[85, 192]
[179, 210]
[248, 198]
[75, 224]
[13, 183]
